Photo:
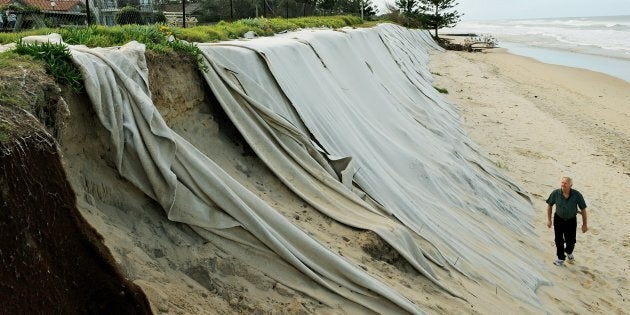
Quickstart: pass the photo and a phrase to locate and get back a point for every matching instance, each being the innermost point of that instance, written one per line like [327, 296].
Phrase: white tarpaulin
[366, 94]
[194, 190]
[348, 121]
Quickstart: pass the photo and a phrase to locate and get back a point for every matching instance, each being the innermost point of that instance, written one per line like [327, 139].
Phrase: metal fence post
[184, 13]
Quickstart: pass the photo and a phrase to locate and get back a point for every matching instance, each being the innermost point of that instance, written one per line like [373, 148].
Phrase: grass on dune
[55, 59]
[157, 38]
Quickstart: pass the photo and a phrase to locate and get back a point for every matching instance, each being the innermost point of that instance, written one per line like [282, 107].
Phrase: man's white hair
[569, 179]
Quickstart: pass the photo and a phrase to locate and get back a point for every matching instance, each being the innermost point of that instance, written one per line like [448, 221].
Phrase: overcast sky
[523, 9]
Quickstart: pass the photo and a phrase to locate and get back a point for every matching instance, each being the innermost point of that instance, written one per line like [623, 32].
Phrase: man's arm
[549, 216]
[584, 221]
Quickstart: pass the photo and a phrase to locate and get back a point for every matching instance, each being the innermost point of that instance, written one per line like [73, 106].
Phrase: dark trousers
[564, 230]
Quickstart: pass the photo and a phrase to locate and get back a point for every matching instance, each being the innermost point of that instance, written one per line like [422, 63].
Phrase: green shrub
[155, 37]
[160, 17]
[105, 36]
[129, 15]
[199, 34]
[58, 60]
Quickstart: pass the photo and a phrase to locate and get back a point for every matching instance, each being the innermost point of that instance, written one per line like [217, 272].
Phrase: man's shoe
[558, 262]
[571, 258]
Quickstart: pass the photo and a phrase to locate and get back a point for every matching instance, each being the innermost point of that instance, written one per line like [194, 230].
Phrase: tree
[369, 9]
[407, 7]
[348, 6]
[405, 13]
[355, 7]
[327, 6]
[435, 13]
[307, 5]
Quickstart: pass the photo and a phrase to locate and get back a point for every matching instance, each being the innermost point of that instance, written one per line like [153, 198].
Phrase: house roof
[60, 5]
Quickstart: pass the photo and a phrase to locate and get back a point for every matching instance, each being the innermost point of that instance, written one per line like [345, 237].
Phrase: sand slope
[179, 270]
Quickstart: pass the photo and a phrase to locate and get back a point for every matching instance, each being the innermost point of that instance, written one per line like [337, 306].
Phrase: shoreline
[589, 43]
[612, 64]
[538, 122]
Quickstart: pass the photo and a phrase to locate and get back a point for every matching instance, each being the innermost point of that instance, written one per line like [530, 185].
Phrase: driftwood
[479, 46]
[473, 42]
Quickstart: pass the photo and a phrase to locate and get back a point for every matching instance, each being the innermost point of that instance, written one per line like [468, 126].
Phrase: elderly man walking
[567, 201]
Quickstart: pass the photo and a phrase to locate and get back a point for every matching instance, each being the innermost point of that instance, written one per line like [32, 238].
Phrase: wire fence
[16, 15]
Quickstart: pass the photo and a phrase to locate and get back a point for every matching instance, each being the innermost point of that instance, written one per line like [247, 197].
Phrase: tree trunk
[437, 20]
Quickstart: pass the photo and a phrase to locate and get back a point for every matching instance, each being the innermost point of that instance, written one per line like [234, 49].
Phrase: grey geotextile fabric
[365, 96]
[194, 190]
[350, 122]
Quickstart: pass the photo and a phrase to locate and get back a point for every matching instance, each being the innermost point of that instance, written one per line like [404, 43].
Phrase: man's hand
[549, 216]
[584, 221]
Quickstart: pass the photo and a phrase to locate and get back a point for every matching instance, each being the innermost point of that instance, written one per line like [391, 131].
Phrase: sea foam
[604, 41]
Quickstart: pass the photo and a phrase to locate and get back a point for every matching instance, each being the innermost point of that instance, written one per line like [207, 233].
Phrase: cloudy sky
[516, 9]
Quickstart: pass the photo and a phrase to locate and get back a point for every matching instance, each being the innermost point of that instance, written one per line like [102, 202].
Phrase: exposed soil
[51, 260]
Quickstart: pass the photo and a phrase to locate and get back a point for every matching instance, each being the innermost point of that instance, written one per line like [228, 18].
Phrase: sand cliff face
[302, 217]
[52, 260]
[177, 269]
[62, 214]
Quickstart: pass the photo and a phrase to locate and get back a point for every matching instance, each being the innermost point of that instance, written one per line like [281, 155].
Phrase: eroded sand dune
[363, 194]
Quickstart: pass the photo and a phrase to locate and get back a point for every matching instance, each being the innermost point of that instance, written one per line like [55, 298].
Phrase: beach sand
[538, 122]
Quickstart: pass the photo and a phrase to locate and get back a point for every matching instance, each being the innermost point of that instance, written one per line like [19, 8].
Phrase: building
[42, 13]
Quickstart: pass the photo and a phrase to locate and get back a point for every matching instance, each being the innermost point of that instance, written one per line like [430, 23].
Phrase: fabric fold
[199, 193]
[349, 122]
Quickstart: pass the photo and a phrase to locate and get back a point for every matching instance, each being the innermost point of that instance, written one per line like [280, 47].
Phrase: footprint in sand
[586, 280]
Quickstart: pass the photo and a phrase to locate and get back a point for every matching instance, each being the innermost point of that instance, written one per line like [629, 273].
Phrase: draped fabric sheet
[366, 94]
[349, 121]
[196, 191]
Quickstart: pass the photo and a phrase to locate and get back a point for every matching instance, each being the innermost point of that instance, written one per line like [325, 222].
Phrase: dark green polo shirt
[566, 208]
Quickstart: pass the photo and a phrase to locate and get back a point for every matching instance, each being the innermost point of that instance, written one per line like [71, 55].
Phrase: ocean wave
[610, 33]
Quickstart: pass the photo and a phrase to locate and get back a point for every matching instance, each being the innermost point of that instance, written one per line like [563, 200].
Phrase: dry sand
[539, 122]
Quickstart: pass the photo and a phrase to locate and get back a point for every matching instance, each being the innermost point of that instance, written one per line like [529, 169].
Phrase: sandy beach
[538, 122]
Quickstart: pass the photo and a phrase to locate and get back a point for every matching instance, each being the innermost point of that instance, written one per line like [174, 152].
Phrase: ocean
[598, 43]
